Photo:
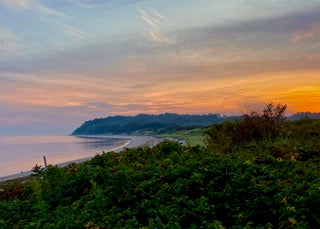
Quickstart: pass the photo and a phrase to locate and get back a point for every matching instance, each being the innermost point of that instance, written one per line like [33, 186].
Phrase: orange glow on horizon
[300, 90]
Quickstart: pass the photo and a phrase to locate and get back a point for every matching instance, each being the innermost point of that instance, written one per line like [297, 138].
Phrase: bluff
[160, 124]
[148, 124]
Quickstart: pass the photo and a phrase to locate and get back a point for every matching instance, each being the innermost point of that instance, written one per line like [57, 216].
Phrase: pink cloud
[312, 32]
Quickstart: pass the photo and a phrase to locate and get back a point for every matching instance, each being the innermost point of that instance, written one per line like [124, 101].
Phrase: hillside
[160, 124]
[148, 124]
[301, 115]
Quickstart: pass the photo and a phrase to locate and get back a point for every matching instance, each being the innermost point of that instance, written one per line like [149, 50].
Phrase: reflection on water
[24, 152]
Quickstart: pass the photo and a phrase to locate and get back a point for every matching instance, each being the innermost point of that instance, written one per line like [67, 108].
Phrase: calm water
[22, 153]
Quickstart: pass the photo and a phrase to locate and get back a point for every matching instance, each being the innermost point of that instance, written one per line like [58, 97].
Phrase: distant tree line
[148, 124]
[163, 123]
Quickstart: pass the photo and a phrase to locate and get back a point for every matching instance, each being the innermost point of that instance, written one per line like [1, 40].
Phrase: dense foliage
[148, 124]
[266, 183]
[266, 125]
[248, 177]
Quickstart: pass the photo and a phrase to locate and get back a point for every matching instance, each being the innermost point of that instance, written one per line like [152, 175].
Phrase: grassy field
[193, 137]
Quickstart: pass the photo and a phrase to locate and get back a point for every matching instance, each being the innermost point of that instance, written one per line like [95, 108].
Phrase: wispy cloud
[302, 35]
[17, 4]
[157, 36]
[55, 16]
[75, 32]
[151, 20]
[311, 32]
[158, 15]
[155, 21]
[10, 46]
[79, 3]
[38, 6]
[33, 5]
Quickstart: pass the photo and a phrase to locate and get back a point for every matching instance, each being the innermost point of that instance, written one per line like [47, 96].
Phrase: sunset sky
[66, 61]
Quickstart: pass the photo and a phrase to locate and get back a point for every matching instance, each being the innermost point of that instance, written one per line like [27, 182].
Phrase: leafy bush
[171, 186]
[306, 129]
[269, 124]
[269, 178]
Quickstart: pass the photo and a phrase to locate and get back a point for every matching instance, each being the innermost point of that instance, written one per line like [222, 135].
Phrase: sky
[66, 61]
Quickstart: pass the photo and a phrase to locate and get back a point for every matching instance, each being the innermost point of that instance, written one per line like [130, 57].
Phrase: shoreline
[133, 142]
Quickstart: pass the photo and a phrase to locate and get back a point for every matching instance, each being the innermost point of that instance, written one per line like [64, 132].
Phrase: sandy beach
[133, 142]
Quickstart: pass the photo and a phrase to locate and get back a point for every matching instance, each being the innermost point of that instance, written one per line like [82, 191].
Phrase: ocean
[21, 153]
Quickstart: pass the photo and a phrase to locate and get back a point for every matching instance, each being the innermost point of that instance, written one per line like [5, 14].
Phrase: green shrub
[171, 186]
[269, 178]
[228, 136]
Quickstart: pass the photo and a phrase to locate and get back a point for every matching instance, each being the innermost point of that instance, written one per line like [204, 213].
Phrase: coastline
[133, 142]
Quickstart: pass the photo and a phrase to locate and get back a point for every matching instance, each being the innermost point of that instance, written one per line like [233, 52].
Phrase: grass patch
[193, 137]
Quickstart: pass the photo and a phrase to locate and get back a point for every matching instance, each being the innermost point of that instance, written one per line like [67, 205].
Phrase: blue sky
[65, 61]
